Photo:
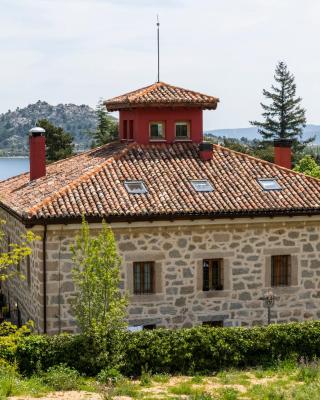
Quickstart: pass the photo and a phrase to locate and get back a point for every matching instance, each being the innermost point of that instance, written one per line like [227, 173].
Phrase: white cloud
[81, 50]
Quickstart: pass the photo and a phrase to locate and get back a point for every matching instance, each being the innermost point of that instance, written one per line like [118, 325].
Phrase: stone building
[204, 232]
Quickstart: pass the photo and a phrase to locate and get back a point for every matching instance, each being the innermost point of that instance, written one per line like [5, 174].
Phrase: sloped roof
[161, 94]
[92, 184]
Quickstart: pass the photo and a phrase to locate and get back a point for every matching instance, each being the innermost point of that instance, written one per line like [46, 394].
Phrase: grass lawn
[284, 381]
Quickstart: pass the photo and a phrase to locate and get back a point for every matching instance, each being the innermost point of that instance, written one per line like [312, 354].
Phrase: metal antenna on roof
[158, 41]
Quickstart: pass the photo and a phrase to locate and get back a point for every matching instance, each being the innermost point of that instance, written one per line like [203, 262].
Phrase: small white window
[157, 130]
[202, 185]
[135, 187]
[182, 130]
[269, 184]
[135, 328]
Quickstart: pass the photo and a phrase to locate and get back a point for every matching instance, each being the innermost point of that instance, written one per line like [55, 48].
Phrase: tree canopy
[284, 118]
[107, 127]
[59, 144]
[308, 166]
[99, 305]
[14, 253]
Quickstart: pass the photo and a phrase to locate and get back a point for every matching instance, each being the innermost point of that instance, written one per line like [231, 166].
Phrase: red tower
[161, 113]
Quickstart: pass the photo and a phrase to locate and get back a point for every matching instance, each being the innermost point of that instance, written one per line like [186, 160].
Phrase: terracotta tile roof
[92, 183]
[162, 94]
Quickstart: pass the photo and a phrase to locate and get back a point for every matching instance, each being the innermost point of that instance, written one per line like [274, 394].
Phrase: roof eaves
[176, 216]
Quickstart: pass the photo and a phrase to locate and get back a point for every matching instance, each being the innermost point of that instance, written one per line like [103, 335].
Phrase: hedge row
[192, 350]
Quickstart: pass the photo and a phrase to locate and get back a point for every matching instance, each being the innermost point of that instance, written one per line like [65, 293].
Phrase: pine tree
[107, 127]
[284, 118]
[59, 144]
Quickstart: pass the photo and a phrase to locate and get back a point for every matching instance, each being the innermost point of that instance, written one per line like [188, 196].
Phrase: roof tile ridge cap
[144, 91]
[288, 170]
[81, 179]
[81, 154]
[192, 91]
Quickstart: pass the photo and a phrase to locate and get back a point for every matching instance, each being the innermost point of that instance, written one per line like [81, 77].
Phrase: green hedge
[195, 350]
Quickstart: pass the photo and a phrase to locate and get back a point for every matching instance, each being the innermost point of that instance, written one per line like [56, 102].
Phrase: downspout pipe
[44, 263]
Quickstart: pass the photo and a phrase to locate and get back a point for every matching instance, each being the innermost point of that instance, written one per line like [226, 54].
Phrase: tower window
[157, 130]
[130, 136]
[182, 130]
[125, 129]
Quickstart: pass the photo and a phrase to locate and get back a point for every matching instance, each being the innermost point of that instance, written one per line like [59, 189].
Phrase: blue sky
[79, 51]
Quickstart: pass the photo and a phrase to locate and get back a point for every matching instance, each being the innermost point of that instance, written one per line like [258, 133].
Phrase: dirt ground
[72, 395]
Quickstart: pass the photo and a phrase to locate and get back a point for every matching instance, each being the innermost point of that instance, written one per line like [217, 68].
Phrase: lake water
[12, 166]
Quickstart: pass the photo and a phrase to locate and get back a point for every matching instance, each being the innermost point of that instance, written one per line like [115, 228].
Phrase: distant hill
[252, 133]
[75, 119]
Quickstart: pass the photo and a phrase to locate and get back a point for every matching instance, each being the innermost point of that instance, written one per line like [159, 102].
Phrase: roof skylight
[135, 187]
[269, 184]
[202, 185]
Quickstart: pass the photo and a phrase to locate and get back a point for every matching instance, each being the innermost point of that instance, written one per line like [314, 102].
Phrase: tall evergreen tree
[59, 144]
[107, 127]
[284, 118]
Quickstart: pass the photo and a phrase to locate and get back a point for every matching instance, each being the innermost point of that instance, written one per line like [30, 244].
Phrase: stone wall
[21, 294]
[178, 252]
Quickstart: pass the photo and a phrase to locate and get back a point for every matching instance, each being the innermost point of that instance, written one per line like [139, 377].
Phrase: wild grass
[284, 380]
[59, 378]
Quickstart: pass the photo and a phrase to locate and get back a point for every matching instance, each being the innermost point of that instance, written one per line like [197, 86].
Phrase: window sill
[182, 140]
[158, 140]
[214, 293]
[146, 298]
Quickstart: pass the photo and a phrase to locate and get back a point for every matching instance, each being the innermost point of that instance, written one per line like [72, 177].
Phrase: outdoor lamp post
[268, 302]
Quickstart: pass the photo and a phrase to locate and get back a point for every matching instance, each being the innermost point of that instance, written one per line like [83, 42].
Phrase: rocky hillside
[14, 125]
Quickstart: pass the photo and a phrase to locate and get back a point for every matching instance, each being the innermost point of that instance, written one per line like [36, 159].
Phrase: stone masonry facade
[178, 250]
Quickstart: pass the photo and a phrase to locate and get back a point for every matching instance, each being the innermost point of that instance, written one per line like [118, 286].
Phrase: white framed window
[182, 130]
[269, 184]
[202, 185]
[135, 187]
[157, 130]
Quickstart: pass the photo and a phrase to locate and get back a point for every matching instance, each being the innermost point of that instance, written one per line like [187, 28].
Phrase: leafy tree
[284, 118]
[15, 253]
[107, 127]
[98, 305]
[59, 144]
[308, 166]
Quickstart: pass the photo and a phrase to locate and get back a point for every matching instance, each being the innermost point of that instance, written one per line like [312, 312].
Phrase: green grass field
[287, 380]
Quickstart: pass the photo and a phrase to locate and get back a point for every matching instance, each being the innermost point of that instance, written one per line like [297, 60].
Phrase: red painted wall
[141, 117]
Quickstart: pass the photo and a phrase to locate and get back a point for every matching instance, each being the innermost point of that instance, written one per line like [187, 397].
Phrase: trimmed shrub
[194, 350]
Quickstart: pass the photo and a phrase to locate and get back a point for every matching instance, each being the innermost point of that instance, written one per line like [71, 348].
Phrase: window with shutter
[143, 277]
[213, 274]
[281, 270]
